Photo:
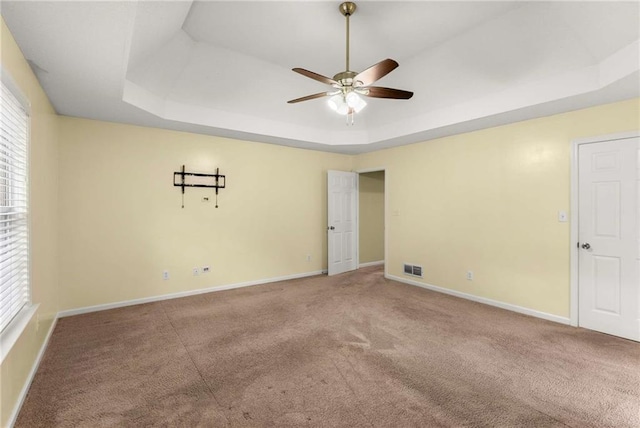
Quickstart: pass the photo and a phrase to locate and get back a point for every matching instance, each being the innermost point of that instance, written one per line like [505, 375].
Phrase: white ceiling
[224, 67]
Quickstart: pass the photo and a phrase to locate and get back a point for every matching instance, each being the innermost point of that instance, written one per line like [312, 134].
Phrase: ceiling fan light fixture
[355, 102]
[338, 104]
[342, 104]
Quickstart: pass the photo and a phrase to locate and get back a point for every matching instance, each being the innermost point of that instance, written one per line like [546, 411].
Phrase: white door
[609, 285]
[342, 228]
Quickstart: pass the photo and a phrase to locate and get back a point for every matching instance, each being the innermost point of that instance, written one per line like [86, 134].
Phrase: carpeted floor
[347, 351]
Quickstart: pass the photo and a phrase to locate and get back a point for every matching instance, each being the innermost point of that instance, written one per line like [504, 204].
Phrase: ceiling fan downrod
[347, 9]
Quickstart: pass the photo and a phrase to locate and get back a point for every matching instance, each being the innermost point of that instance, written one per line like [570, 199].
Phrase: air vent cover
[413, 270]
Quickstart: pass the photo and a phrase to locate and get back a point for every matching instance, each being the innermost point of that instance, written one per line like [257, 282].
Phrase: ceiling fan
[348, 85]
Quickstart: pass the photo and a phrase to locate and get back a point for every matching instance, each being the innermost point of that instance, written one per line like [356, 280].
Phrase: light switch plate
[562, 216]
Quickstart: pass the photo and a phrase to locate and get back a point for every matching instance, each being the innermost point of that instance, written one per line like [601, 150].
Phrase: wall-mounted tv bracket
[184, 179]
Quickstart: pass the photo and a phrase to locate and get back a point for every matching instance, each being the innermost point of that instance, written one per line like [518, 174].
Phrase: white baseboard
[169, 296]
[490, 302]
[378, 263]
[32, 373]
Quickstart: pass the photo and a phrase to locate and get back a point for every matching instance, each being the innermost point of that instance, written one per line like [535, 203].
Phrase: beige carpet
[347, 351]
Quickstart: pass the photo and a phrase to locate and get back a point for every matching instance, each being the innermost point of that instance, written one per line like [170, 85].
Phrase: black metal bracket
[217, 181]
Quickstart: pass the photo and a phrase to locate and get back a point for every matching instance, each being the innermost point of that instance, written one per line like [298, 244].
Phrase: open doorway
[371, 218]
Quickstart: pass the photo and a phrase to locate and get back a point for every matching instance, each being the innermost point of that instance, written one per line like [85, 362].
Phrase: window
[14, 235]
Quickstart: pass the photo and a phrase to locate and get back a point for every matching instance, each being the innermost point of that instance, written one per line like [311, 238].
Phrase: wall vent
[413, 270]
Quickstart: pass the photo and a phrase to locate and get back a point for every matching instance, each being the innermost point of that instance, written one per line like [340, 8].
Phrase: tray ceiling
[224, 68]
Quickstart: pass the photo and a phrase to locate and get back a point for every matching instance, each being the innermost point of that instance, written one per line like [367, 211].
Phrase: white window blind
[14, 238]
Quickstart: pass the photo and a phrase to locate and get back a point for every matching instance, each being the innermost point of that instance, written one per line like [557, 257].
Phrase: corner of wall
[20, 363]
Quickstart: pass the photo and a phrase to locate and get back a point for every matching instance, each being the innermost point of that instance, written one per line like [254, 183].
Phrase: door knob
[331, 228]
[586, 246]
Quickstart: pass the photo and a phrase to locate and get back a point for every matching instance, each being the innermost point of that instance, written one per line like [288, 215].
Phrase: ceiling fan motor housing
[345, 78]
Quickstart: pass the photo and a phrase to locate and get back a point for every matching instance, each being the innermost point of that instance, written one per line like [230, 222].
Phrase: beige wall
[488, 201]
[371, 216]
[121, 223]
[44, 226]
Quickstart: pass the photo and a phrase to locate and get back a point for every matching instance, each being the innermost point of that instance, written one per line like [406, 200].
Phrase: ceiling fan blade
[378, 92]
[376, 72]
[315, 76]
[309, 97]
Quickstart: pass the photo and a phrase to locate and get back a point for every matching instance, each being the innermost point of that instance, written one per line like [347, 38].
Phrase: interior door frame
[386, 217]
[573, 244]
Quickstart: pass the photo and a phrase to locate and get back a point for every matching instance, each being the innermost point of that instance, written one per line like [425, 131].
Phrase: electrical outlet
[308, 257]
[562, 216]
[206, 269]
[196, 271]
[165, 275]
[470, 275]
